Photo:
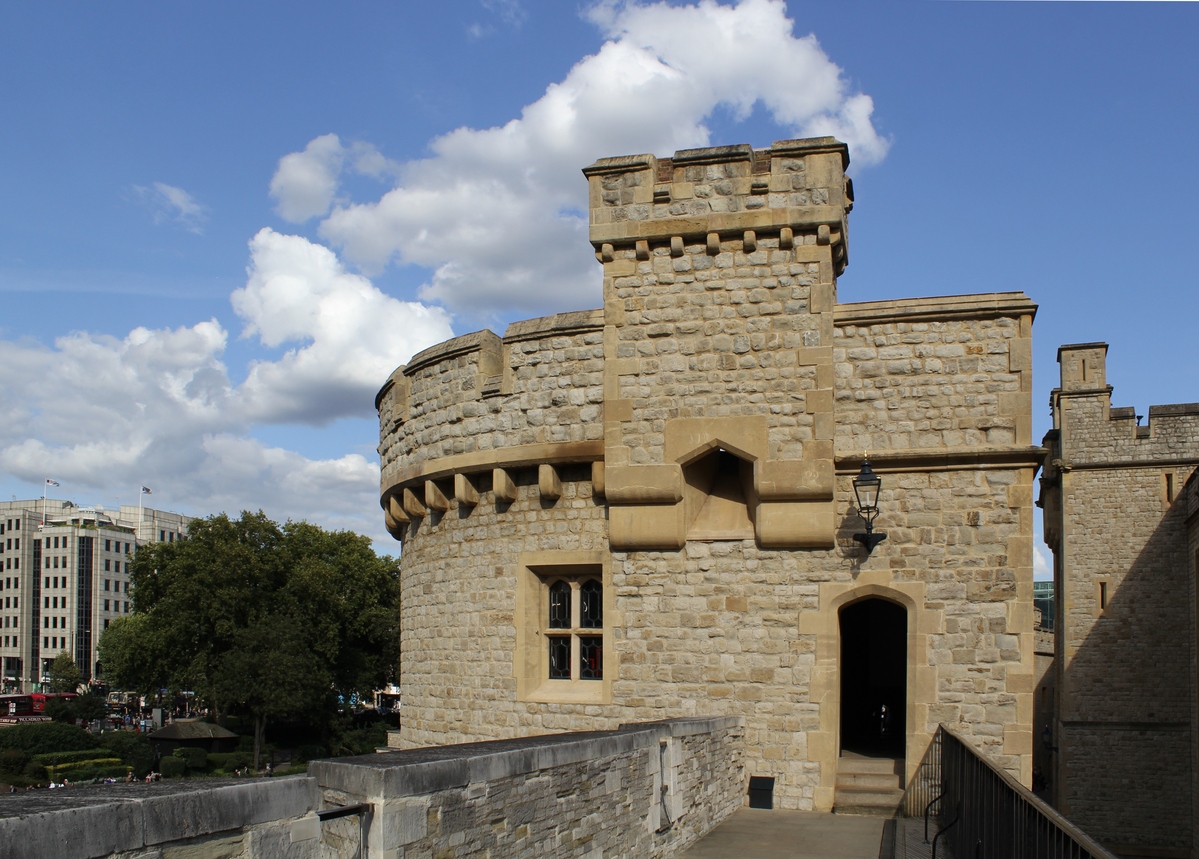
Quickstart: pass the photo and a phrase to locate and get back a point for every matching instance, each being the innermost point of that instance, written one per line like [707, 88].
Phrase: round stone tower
[646, 510]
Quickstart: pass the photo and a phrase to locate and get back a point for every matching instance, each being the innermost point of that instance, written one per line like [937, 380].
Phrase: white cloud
[168, 203]
[355, 335]
[305, 183]
[499, 213]
[1042, 569]
[158, 405]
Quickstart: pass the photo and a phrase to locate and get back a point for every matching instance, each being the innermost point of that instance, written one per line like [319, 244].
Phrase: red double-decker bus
[13, 707]
[40, 699]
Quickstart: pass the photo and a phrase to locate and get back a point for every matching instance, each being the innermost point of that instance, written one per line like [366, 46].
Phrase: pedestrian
[269, 770]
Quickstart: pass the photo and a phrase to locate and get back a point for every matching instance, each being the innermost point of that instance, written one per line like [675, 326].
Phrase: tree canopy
[276, 621]
[64, 673]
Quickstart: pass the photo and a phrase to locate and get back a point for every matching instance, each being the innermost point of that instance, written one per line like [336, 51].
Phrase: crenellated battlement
[1091, 432]
[723, 193]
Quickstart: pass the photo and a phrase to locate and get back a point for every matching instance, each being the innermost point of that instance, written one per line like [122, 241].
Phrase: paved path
[752, 833]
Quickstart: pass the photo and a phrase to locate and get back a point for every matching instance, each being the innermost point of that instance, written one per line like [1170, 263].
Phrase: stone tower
[646, 510]
[1115, 519]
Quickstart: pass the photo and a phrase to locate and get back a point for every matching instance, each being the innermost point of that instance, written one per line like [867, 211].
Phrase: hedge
[41, 737]
[197, 759]
[172, 767]
[229, 761]
[70, 770]
[48, 759]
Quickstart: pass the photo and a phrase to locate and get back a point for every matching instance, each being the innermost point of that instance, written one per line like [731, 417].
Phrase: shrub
[87, 772]
[12, 761]
[229, 761]
[72, 770]
[40, 737]
[133, 749]
[35, 772]
[197, 759]
[172, 767]
[310, 753]
[48, 759]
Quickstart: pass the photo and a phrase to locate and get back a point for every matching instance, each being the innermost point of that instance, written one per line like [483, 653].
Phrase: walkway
[751, 833]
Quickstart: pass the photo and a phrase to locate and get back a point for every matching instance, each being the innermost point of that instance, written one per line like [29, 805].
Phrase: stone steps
[872, 786]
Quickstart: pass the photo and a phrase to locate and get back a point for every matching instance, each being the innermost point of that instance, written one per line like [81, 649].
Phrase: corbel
[503, 486]
[607, 252]
[750, 241]
[549, 482]
[465, 492]
[396, 509]
[435, 499]
[597, 479]
[676, 246]
[786, 238]
[642, 249]
[713, 244]
[413, 506]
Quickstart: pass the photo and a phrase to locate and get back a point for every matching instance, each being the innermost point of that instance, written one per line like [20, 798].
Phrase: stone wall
[645, 790]
[259, 819]
[595, 441]
[1116, 521]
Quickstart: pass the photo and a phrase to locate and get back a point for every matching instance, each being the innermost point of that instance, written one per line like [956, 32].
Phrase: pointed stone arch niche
[717, 483]
[719, 486]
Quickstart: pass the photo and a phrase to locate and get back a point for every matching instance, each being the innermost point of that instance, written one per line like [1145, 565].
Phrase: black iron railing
[993, 816]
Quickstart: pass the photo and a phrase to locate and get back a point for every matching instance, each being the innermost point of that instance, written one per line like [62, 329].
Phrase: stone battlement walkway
[752, 833]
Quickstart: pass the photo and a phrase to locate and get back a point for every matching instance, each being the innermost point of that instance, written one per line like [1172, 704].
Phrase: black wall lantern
[866, 487]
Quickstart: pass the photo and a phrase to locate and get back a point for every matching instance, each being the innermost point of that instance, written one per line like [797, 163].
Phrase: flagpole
[48, 482]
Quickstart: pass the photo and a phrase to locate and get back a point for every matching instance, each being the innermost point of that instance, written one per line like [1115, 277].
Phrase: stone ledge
[415, 772]
[476, 341]
[105, 819]
[517, 456]
[935, 309]
[945, 459]
[574, 322]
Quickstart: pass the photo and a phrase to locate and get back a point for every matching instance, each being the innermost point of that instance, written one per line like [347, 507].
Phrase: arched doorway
[873, 670]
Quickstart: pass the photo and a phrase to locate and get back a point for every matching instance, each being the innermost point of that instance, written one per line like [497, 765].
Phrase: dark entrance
[874, 664]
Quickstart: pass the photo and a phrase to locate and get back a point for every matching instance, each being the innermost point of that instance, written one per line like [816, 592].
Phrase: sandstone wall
[581, 443]
[1116, 521]
[646, 790]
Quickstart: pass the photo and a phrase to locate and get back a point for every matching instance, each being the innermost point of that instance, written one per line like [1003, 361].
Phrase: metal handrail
[927, 809]
[996, 816]
[945, 829]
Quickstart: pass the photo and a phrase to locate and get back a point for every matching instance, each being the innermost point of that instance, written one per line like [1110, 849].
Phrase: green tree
[64, 673]
[273, 621]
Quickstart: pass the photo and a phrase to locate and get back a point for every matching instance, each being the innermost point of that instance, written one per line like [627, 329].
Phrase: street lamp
[866, 487]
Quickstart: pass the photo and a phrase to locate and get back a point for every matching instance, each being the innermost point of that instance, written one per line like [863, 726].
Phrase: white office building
[64, 577]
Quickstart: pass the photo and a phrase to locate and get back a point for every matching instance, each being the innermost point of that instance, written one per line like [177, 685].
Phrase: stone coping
[559, 323]
[451, 348]
[935, 309]
[415, 772]
[98, 820]
[1173, 409]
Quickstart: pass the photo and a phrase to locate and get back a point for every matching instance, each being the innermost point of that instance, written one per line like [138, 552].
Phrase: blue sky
[226, 222]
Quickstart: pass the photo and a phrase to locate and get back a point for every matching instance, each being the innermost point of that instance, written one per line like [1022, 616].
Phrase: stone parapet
[256, 819]
[644, 790]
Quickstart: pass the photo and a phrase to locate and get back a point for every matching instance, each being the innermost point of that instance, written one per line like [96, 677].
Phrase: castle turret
[720, 269]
